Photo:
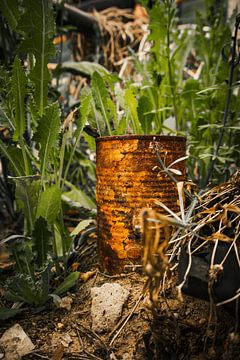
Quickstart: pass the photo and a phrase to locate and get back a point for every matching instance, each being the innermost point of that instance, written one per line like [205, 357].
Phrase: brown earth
[175, 330]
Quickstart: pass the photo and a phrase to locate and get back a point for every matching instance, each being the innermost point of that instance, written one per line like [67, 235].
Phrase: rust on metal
[129, 179]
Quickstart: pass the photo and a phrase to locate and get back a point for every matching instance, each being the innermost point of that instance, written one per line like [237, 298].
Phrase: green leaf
[90, 141]
[101, 96]
[10, 10]
[112, 112]
[122, 127]
[41, 241]
[5, 119]
[84, 68]
[14, 156]
[84, 110]
[6, 313]
[18, 87]
[37, 24]
[132, 104]
[85, 107]
[47, 134]
[23, 288]
[145, 117]
[23, 255]
[69, 282]
[27, 197]
[49, 204]
[78, 196]
[81, 226]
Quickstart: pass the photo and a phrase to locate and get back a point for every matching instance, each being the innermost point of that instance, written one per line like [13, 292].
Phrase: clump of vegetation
[39, 155]
[41, 148]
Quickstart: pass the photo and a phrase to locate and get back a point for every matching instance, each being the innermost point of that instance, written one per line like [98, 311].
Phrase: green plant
[39, 155]
[193, 106]
[197, 104]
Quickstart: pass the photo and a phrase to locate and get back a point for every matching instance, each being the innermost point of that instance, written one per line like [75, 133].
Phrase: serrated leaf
[23, 255]
[144, 114]
[47, 133]
[90, 141]
[69, 282]
[10, 10]
[27, 196]
[49, 204]
[41, 241]
[84, 110]
[14, 156]
[84, 68]
[37, 24]
[122, 126]
[5, 120]
[6, 313]
[132, 105]
[112, 112]
[18, 92]
[100, 96]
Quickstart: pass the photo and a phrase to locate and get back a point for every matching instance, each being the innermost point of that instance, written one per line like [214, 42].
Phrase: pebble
[60, 325]
[107, 305]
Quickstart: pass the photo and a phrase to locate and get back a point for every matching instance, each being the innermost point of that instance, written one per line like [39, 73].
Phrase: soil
[174, 330]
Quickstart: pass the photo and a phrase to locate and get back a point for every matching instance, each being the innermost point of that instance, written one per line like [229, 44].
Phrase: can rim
[140, 137]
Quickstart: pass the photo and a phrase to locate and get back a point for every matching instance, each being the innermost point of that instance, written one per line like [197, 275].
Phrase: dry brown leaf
[219, 236]
[87, 275]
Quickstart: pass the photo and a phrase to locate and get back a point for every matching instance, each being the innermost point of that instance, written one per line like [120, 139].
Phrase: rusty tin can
[129, 179]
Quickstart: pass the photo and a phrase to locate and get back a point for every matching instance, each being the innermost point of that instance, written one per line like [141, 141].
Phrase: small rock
[63, 303]
[176, 315]
[202, 321]
[16, 343]
[127, 356]
[60, 325]
[107, 304]
[66, 340]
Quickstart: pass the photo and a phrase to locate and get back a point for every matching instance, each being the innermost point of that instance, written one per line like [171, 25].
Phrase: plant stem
[62, 153]
[227, 104]
[70, 160]
[170, 77]
[55, 252]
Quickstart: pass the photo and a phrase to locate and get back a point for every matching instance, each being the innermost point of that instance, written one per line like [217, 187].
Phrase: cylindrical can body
[129, 179]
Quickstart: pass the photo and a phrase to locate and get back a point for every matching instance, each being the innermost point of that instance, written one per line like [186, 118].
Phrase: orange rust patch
[127, 183]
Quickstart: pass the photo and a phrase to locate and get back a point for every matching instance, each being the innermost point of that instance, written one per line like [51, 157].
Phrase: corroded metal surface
[127, 182]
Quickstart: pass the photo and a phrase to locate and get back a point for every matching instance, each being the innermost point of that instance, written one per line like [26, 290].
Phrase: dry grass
[120, 29]
[213, 216]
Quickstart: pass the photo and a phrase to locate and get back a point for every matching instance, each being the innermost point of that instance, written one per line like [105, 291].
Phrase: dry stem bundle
[120, 29]
[215, 221]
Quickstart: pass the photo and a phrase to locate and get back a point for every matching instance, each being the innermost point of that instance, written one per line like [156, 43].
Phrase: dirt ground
[175, 330]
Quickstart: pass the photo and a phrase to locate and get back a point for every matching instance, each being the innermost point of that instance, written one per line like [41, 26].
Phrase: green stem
[106, 118]
[70, 159]
[55, 253]
[170, 77]
[26, 166]
[62, 154]
[61, 229]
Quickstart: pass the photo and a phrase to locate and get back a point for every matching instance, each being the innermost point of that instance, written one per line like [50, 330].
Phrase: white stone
[107, 304]
[16, 343]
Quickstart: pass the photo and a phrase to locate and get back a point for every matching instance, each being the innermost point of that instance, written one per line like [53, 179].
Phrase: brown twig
[124, 321]
[92, 356]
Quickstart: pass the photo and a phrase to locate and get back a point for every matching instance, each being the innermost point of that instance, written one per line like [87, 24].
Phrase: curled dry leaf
[69, 119]
[87, 275]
